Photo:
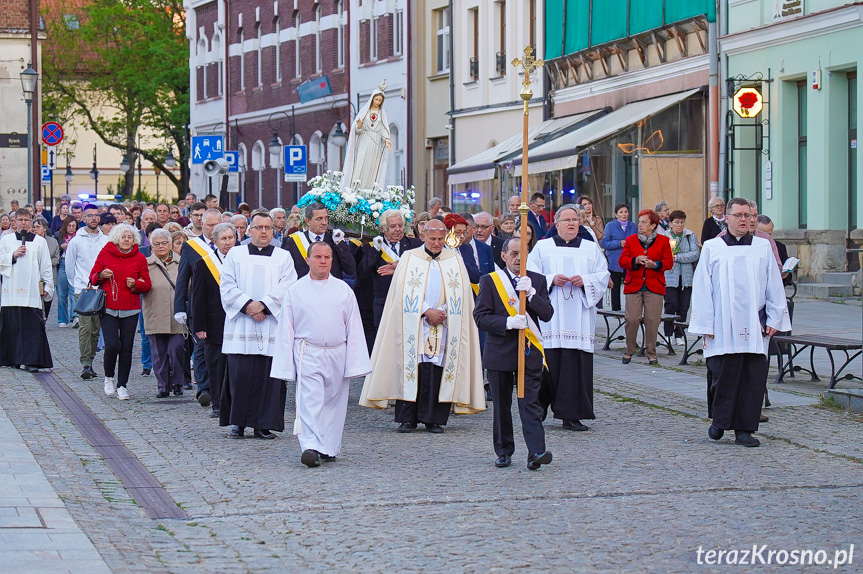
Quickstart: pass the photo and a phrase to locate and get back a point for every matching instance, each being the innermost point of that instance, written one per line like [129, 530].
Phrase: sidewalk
[37, 534]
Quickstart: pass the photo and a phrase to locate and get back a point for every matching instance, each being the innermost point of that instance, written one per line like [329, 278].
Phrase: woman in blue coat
[616, 232]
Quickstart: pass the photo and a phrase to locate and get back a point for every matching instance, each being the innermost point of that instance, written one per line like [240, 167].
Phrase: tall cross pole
[527, 64]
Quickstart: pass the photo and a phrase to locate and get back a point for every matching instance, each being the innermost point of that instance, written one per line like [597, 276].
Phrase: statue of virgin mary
[369, 144]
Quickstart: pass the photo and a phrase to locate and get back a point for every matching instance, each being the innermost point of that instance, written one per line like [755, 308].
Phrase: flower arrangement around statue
[355, 209]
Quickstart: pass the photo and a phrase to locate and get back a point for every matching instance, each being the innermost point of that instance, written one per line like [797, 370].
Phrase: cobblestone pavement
[642, 491]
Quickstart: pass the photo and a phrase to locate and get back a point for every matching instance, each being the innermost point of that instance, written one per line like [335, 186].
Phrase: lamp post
[94, 173]
[29, 78]
[275, 148]
[69, 175]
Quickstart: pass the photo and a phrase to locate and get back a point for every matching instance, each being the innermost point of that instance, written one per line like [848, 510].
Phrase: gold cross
[528, 64]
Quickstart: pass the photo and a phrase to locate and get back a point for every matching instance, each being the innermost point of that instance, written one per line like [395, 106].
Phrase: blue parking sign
[207, 147]
[295, 163]
[233, 159]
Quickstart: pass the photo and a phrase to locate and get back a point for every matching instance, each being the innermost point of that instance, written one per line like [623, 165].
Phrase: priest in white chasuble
[577, 276]
[738, 303]
[426, 356]
[254, 279]
[28, 281]
[321, 345]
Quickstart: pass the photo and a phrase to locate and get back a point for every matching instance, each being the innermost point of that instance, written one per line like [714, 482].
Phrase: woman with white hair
[715, 224]
[121, 270]
[166, 334]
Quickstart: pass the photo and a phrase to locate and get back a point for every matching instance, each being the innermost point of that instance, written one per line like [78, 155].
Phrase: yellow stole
[510, 302]
[205, 253]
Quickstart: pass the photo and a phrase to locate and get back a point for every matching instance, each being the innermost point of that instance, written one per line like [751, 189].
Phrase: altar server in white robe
[24, 263]
[254, 280]
[321, 347]
[738, 303]
[577, 276]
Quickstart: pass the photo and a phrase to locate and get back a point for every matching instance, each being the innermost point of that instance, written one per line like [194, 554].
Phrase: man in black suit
[380, 259]
[483, 232]
[297, 244]
[207, 317]
[496, 313]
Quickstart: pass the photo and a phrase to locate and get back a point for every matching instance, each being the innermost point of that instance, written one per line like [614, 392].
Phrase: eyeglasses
[159, 243]
[197, 215]
[484, 227]
[569, 221]
[739, 215]
[91, 215]
[263, 227]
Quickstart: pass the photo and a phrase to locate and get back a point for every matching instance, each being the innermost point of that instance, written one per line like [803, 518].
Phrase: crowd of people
[236, 305]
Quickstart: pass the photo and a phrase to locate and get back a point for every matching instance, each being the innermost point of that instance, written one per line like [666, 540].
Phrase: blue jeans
[146, 356]
[65, 296]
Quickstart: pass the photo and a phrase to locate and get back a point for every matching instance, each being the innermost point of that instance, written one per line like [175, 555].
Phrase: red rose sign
[747, 102]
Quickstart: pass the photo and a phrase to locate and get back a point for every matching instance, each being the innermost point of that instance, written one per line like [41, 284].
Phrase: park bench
[620, 316]
[800, 343]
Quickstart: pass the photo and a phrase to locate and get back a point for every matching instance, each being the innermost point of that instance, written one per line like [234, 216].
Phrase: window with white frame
[441, 19]
[373, 40]
[278, 27]
[202, 63]
[340, 39]
[260, 55]
[298, 72]
[220, 69]
[398, 32]
[319, 55]
[242, 39]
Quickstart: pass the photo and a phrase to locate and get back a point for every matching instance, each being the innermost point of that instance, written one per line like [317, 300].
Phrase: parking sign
[207, 147]
[295, 163]
[233, 159]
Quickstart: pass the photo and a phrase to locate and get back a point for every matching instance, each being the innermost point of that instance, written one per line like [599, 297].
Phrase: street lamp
[94, 173]
[339, 138]
[170, 160]
[69, 175]
[29, 78]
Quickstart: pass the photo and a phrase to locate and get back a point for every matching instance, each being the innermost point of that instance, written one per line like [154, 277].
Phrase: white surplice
[246, 277]
[730, 286]
[21, 279]
[574, 322]
[321, 345]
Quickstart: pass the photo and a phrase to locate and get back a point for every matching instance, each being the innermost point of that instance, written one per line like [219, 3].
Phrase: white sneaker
[61, 325]
[122, 394]
[110, 386]
[75, 322]
[679, 341]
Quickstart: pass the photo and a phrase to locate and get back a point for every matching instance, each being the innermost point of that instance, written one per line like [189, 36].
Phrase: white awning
[561, 153]
[480, 167]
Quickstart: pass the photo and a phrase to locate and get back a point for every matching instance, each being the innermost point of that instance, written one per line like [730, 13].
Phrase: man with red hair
[459, 225]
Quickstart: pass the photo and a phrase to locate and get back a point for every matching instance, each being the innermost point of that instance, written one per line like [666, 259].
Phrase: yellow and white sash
[415, 279]
[387, 253]
[302, 242]
[510, 301]
[199, 244]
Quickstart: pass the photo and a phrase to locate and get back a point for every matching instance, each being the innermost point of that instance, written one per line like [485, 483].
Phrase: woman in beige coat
[166, 335]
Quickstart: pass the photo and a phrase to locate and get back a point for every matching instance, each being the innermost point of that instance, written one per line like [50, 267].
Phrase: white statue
[369, 143]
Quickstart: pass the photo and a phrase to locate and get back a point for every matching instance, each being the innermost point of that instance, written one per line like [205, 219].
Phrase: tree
[119, 66]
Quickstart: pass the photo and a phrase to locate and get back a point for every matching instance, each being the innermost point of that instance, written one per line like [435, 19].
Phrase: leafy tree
[119, 66]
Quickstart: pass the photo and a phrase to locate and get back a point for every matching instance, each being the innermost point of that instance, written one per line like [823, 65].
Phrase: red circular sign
[52, 133]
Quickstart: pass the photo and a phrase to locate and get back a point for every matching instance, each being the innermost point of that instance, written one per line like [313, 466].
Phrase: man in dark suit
[207, 317]
[483, 232]
[535, 216]
[297, 244]
[379, 260]
[496, 313]
[482, 254]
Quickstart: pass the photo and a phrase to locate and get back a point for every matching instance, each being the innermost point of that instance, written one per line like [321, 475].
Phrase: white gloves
[378, 242]
[516, 322]
[525, 285]
[338, 236]
[180, 318]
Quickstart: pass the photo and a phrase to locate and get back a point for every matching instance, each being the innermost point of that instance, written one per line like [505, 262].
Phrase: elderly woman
[715, 224]
[614, 237]
[40, 227]
[166, 335]
[178, 238]
[664, 212]
[121, 270]
[590, 218]
[507, 226]
[645, 257]
[678, 279]
[240, 224]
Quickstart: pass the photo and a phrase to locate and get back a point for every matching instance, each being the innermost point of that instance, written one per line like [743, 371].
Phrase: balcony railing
[473, 69]
[500, 63]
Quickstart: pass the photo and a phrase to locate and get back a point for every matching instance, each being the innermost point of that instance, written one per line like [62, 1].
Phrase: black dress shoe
[204, 399]
[626, 359]
[86, 374]
[574, 426]
[503, 461]
[406, 427]
[92, 372]
[236, 432]
[145, 373]
[654, 362]
[434, 429]
[763, 419]
[264, 434]
[715, 432]
[178, 390]
[746, 439]
[326, 457]
[310, 458]
[537, 460]
[162, 394]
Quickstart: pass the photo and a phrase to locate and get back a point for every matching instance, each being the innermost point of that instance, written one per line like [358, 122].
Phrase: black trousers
[676, 303]
[736, 385]
[427, 409]
[529, 410]
[169, 353]
[187, 364]
[119, 335]
[617, 278]
[217, 370]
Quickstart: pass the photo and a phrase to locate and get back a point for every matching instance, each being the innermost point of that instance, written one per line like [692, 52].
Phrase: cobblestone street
[642, 491]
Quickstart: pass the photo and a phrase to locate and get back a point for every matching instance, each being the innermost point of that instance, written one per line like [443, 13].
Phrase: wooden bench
[612, 335]
[800, 343]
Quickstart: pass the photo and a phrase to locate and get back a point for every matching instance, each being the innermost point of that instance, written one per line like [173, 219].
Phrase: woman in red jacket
[645, 258]
[121, 270]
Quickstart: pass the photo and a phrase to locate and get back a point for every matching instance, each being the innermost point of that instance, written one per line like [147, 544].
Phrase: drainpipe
[451, 92]
[720, 28]
[713, 113]
[410, 135]
[34, 150]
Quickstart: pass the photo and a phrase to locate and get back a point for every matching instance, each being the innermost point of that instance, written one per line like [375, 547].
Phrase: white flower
[375, 214]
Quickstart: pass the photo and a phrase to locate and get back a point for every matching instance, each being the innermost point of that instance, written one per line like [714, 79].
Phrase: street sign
[207, 147]
[13, 140]
[51, 161]
[295, 163]
[233, 158]
[46, 175]
[233, 182]
[52, 133]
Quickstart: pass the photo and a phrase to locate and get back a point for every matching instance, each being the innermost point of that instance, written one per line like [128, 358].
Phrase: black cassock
[253, 398]
[736, 385]
[24, 341]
